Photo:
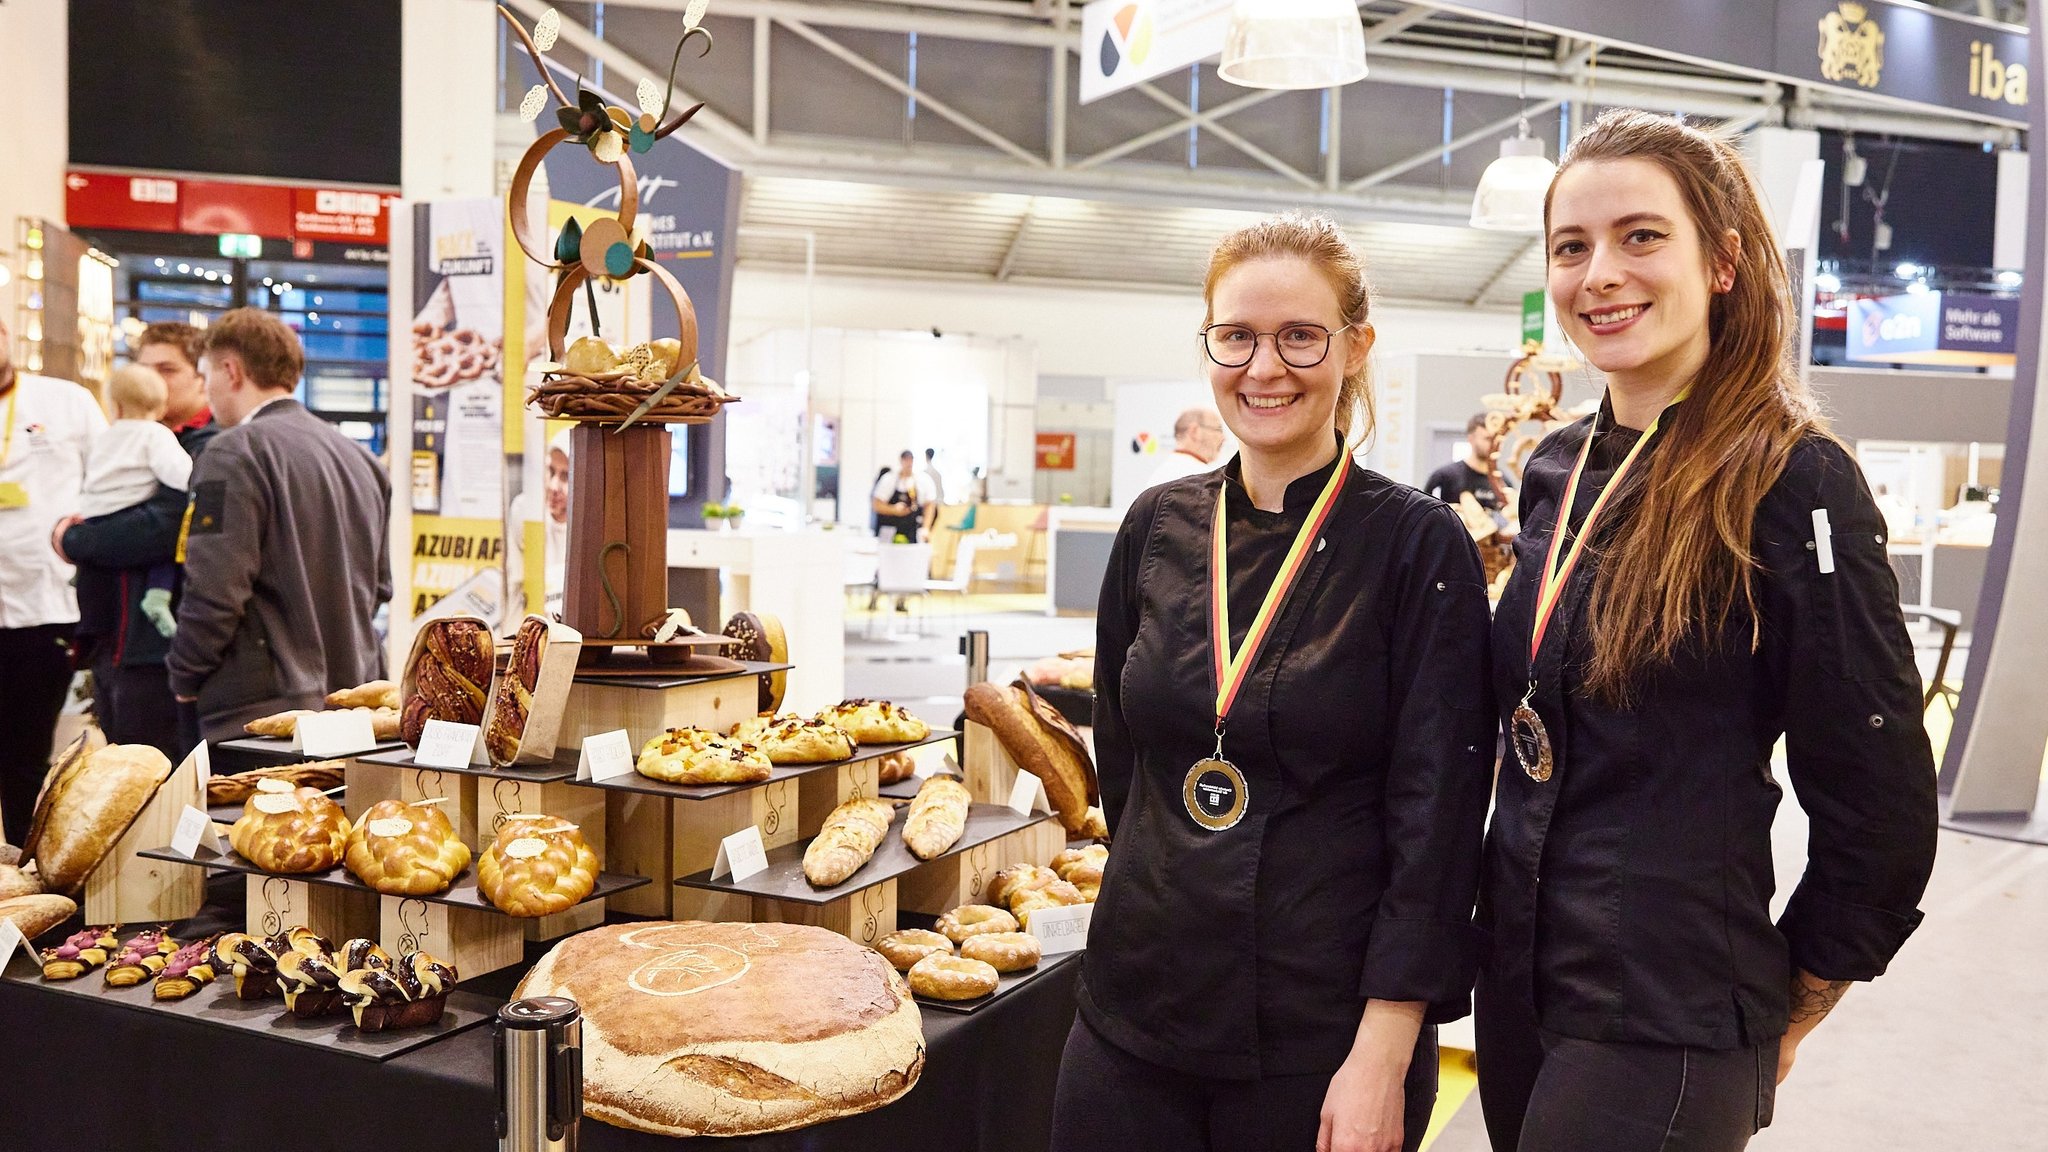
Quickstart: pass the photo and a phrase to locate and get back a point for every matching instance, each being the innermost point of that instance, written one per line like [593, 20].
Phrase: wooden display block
[699, 825]
[638, 841]
[499, 797]
[863, 917]
[617, 577]
[277, 903]
[455, 790]
[824, 790]
[962, 878]
[367, 784]
[125, 888]
[642, 711]
[990, 770]
[475, 940]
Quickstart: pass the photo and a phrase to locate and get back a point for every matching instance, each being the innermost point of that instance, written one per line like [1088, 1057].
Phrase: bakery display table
[987, 1083]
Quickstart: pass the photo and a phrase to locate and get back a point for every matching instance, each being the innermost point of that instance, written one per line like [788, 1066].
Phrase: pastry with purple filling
[141, 957]
[187, 971]
[81, 952]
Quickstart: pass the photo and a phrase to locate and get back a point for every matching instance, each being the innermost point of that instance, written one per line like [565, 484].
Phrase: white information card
[447, 745]
[323, 735]
[741, 855]
[605, 756]
[195, 828]
[10, 939]
[1061, 929]
[1027, 795]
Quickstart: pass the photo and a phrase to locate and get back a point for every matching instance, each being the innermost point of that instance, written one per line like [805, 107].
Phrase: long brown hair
[1676, 568]
[1318, 240]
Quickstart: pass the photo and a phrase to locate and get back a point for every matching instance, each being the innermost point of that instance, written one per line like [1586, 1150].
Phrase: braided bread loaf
[406, 849]
[537, 866]
[293, 831]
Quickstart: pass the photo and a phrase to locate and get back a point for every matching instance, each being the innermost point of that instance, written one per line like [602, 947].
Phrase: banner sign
[1893, 48]
[1055, 451]
[1127, 42]
[458, 467]
[1951, 328]
[147, 202]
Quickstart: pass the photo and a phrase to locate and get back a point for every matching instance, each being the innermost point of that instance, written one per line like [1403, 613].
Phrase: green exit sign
[241, 245]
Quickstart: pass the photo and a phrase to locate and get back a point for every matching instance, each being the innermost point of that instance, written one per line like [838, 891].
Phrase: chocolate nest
[613, 397]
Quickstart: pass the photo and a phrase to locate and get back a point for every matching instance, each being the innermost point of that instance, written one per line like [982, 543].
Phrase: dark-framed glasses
[1299, 345]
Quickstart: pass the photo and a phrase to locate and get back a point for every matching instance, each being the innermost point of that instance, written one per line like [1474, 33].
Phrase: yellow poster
[457, 567]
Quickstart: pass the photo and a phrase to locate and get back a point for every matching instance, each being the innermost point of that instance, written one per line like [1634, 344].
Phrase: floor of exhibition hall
[1948, 1050]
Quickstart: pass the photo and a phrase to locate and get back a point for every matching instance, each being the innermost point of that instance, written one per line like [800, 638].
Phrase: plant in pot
[714, 517]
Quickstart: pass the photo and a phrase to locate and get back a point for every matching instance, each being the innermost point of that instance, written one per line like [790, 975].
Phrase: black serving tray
[635, 782]
[783, 879]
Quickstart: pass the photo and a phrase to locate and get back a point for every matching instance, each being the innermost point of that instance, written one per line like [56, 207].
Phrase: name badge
[13, 495]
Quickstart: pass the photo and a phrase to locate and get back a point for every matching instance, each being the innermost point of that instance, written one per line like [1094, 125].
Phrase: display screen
[300, 91]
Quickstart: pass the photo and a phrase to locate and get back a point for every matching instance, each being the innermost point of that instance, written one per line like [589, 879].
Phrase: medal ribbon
[1231, 669]
[1550, 589]
[7, 450]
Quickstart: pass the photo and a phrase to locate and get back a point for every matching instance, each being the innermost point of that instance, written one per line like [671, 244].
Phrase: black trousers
[135, 706]
[1542, 1092]
[1110, 1101]
[35, 671]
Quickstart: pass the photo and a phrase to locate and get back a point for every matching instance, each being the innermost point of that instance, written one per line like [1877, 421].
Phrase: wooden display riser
[990, 771]
[864, 916]
[124, 888]
[278, 904]
[475, 940]
[950, 881]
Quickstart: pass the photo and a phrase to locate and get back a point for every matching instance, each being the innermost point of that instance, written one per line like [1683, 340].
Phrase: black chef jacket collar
[1301, 491]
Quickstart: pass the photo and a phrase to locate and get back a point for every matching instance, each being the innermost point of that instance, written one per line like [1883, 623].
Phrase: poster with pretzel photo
[458, 408]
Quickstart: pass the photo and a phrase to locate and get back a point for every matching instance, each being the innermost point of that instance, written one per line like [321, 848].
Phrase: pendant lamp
[1510, 196]
[1293, 44]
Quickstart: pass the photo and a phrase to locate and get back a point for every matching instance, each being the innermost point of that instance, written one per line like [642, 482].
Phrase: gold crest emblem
[1851, 45]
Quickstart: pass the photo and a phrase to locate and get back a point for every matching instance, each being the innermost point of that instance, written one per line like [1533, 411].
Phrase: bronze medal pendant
[1532, 742]
[1215, 793]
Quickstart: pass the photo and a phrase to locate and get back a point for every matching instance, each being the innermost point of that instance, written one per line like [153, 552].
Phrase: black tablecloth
[74, 1073]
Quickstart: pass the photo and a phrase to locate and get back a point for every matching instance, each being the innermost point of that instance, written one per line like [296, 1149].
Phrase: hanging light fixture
[1510, 195]
[1293, 44]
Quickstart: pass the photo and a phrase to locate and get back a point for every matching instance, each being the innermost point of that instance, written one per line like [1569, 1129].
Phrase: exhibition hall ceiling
[946, 137]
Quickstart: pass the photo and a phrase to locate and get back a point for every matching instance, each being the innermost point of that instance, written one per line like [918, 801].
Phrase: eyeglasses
[1299, 345]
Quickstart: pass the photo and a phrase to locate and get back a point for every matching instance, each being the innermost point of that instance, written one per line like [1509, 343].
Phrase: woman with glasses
[1701, 571]
[1295, 739]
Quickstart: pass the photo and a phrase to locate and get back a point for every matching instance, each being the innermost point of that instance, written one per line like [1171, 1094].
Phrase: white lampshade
[1293, 44]
[1510, 196]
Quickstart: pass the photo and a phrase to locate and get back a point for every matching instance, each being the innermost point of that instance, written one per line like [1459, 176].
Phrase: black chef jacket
[1629, 897]
[1365, 733]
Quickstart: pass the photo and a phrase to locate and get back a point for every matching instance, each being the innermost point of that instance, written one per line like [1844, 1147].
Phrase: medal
[1528, 736]
[1215, 793]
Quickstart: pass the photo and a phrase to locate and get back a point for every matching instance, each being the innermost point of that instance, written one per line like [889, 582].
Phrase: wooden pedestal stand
[617, 577]
[124, 888]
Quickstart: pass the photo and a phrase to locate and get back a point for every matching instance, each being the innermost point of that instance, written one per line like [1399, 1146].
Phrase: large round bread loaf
[698, 1029]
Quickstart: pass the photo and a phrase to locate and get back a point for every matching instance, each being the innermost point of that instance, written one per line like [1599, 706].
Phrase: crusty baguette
[937, 817]
[849, 838]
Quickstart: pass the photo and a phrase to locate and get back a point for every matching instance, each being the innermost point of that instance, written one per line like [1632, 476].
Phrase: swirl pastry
[937, 817]
[700, 756]
[310, 982]
[140, 958]
[876, 721]
[187, 971]
[290, 832]
[253, 960]
[403, 849]
[537, 866]
[513, 700]
[849, 838]
[411, 993]
[81, 952]
[450, 672]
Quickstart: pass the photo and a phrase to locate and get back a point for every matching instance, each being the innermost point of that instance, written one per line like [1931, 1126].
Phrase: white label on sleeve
[323, 735]
[605, 756]
[1063, 929]
[741, 855]
[1027, 795]
[446, 745]
[194, 828]
[1823, 541]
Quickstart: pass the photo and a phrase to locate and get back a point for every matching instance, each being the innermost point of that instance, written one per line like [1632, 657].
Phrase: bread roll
[375, 694]
[88, 803]
[937, 817]
[15, 881]
[849, 838]
[537, 866]
[277, 725]
[404, 849]
[291, 832]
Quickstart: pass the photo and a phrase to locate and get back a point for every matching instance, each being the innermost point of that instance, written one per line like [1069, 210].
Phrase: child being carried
[128, 461]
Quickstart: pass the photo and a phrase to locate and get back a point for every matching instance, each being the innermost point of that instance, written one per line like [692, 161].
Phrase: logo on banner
[1128, 38]
[1851, 45]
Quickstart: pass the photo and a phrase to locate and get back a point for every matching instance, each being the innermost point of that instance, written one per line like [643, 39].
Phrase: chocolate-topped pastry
[361, 953]
[311, 984]
[141, 957]
[253, 964]
[760, 639]
[410, 994]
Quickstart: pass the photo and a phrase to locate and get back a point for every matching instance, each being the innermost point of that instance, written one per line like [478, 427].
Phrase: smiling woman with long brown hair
[1701, 571]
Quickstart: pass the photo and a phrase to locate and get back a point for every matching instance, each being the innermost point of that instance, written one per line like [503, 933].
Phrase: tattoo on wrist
[1811, 1003]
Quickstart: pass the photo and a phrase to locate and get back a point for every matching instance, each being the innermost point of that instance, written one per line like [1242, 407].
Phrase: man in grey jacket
[285, 548]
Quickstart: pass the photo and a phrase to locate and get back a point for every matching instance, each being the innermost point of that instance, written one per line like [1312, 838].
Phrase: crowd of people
[215, 554]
